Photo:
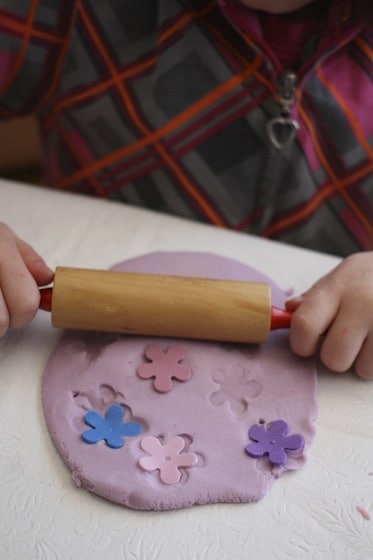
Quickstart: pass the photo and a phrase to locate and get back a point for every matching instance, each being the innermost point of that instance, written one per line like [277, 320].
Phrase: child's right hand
[22, 270]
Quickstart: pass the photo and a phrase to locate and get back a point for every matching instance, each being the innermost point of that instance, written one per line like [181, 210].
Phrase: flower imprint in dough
[98, 398]
[164, 367]
[236, 387]
[167, 458]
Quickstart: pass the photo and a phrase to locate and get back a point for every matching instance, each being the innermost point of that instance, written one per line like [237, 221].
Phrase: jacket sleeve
[34, 40]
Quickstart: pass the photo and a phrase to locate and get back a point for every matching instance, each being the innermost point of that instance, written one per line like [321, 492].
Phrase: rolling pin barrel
[157, 305]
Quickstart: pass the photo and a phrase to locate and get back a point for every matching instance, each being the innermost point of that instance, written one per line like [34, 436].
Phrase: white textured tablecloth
[312, 514]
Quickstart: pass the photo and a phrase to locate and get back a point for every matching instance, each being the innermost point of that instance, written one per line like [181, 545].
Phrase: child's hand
[340, 307]
[22, 270]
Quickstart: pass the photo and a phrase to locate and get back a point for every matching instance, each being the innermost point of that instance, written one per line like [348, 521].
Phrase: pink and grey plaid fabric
[164, 104]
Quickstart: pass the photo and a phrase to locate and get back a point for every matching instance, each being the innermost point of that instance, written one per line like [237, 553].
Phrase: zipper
[283, 129]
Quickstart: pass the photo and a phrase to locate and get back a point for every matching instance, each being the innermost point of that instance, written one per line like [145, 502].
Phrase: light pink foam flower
[166, 458]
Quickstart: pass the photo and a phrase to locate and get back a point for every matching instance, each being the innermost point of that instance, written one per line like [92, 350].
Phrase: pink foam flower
[164, 366]
[166, 458]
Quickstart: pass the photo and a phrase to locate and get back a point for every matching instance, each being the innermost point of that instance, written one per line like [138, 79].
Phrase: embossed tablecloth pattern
[320, 512]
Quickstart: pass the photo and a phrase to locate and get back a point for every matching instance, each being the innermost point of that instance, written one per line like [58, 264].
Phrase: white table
[43, 515]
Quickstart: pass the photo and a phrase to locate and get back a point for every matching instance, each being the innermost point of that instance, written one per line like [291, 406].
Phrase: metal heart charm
[282, 131]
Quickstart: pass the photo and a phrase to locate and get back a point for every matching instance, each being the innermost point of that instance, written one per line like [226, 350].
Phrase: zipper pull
[283, 129]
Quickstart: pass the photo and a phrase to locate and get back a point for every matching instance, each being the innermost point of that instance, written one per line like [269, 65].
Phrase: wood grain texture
[150, 304]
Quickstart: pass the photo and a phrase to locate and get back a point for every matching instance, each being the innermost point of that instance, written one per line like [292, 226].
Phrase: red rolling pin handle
[280, 318]
[45, 299]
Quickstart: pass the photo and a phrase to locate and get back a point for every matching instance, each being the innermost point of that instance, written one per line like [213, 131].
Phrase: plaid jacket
[166, 104]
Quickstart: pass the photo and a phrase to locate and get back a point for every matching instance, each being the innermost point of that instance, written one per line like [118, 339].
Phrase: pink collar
[338, 29]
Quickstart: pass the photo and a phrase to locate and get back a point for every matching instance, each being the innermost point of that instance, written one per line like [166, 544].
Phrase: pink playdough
[180, 434]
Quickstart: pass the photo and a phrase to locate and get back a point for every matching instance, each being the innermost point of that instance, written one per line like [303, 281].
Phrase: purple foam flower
[274, 442]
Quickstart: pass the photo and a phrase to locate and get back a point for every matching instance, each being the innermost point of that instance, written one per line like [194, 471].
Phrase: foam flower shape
[164, 367]
[167, 458]
[275, 442]
[111, 428]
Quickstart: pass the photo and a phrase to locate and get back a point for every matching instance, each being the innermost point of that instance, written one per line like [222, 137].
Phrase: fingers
[364, 362]
[344, 340]
[19, 290]
[4, 316]
[35, 264]
[335, 317]
[21, 270]
[313, 313]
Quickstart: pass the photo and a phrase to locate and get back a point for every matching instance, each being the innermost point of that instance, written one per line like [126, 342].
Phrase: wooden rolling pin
[157, 305]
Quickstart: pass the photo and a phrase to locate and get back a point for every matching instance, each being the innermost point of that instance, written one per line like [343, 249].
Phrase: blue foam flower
[111, 429]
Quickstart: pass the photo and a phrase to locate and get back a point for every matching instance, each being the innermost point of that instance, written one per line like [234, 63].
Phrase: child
[250, 114]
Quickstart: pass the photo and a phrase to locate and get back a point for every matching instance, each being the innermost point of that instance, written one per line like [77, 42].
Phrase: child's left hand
[339, 307]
